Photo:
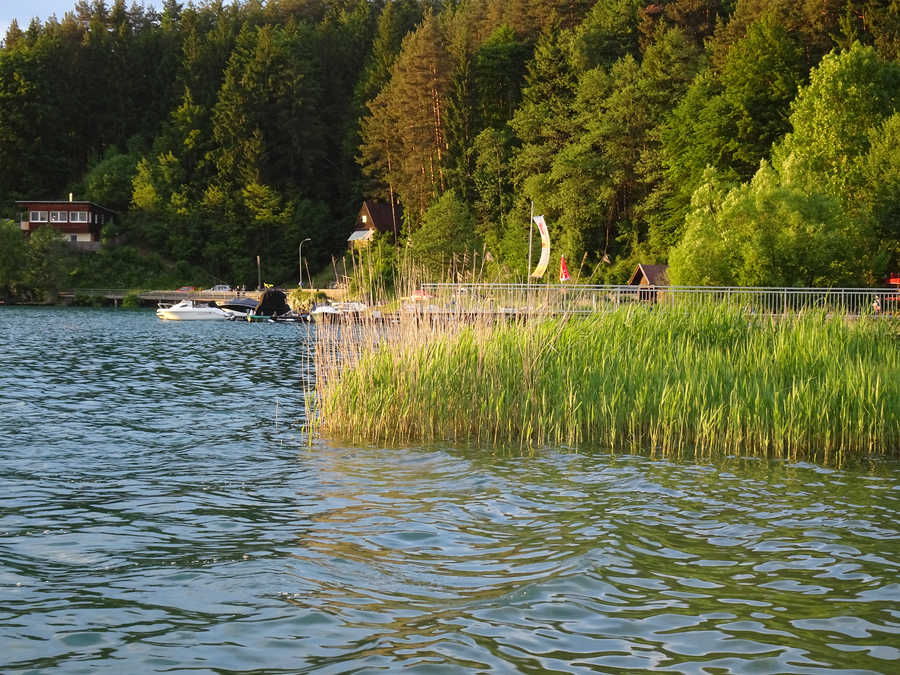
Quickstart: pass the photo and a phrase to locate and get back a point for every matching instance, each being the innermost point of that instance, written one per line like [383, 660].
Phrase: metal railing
[556, 298]
[585, 299]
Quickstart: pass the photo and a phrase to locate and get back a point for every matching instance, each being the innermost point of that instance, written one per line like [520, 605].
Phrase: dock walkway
[118, 294]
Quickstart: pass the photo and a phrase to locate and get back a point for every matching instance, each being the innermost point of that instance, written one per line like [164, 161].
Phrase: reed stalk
[705, 382]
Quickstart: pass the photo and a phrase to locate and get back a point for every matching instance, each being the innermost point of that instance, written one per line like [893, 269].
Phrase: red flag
[563, 270]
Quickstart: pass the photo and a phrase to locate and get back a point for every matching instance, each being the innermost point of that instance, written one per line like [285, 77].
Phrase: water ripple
[163, 511]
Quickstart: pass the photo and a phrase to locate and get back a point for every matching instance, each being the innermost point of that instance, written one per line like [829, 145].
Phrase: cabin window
[78, 217]
[73, 237]
[38, 217]
[59, 217]
[364, 218]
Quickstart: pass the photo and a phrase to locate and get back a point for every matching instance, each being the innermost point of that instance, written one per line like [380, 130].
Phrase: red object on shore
[563, 270]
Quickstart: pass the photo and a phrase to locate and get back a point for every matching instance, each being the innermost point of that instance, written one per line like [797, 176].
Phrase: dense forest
[744, 142]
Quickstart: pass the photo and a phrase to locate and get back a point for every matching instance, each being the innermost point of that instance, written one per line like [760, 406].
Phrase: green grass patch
[700, 382]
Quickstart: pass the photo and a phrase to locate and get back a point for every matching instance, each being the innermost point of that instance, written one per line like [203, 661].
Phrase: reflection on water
[162, 510]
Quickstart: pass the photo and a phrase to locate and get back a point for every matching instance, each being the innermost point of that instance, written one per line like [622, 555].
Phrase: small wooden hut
[375, 217]
[650, 278]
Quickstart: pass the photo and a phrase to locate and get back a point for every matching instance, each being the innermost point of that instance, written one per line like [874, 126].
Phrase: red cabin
[79, 222]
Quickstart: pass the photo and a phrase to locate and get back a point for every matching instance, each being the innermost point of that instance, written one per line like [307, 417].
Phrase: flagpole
[528, 271]
[530, 234]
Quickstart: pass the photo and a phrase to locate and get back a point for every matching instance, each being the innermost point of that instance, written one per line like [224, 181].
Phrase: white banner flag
[545, 248]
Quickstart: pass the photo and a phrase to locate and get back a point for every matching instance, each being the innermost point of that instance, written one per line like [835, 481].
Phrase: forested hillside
[751, 142]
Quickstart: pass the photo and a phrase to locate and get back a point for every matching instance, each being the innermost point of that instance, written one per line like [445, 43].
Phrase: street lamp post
[300, 256]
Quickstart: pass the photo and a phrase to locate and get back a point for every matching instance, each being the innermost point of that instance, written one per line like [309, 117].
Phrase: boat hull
[190, 315]
[188, 311]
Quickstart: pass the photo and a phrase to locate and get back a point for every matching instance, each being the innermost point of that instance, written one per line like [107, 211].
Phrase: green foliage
[374, 268]
[881, 191]
[608, 33]
[406, 135]
[12, 257]
[71, 89]
[822, 213]
[705, 256]
[144, 193]
[110, 181]
[446, 239]
[544, 121]
[38, 267]
[492, 179]
[49, 257]
[126, 266]
[87, 300]
[842, 143]
[300, 300]
[760, 78]
[727, 120]
[850, 94]
[498, 69]
[599, 176]
[263, 122]
[766, 233]
[396, 20]
[693, 137]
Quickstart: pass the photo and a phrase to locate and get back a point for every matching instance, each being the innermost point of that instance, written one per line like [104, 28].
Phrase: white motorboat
[324, 313]
[191, 310]
[343, 311]
[354, 309]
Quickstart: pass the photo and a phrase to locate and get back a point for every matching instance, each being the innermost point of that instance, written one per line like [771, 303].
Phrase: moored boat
[191, 310]
[324, 314]
[272, 307]
[343, 311]
[239, 308]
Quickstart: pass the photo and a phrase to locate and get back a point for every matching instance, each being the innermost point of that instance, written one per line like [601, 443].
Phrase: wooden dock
[116, 295]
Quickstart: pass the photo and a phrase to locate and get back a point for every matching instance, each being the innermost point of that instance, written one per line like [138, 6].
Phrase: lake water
[161, 510]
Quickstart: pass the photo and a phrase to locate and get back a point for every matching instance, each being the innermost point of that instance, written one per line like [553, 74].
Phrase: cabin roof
[63, 202]
[360, 235]
[380, 214]
[653, 275]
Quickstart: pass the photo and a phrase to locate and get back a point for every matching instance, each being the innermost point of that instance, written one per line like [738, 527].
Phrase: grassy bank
[668, 381]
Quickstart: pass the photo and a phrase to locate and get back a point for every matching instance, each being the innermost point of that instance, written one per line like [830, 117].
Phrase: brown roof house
[649, 278]
[376, 217]
[650, 275]
[79, 222]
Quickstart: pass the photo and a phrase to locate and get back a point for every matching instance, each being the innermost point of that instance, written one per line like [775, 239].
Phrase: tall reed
[705, 381]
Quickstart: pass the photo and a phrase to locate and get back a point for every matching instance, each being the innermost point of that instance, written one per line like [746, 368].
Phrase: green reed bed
[702, 381]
